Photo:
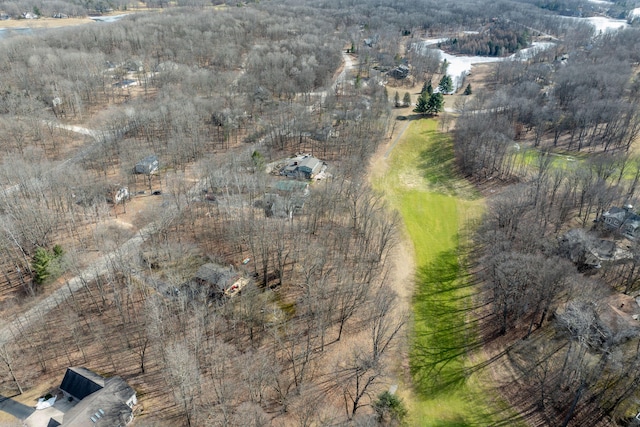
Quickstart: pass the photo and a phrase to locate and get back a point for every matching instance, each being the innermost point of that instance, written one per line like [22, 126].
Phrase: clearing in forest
[436, 206]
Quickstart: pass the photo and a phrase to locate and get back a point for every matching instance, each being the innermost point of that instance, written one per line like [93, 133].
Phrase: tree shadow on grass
[437, 164]
[442, 334]
[445, 333]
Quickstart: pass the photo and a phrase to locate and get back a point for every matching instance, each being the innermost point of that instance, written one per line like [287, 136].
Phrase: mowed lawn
[437, 207]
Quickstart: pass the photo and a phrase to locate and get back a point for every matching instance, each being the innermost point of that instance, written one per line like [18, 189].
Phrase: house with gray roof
[400, 72]
[105, 402]
[219, 280]
[587, 251]
[147, 166]
[623, 220]
[303, 166]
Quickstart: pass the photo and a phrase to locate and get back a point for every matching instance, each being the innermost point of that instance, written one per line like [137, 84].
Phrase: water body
[10, 32]
[460, 65]
[112, 18]
[604, 25]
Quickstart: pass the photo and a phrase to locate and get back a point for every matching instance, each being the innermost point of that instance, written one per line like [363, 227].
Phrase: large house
[624, 220]
[106, 402]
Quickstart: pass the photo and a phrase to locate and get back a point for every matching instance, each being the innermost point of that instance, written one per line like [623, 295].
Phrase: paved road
[14, 408]
[340, 78]
[101, 266]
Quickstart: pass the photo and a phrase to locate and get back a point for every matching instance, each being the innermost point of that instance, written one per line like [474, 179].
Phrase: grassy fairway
[435, 206]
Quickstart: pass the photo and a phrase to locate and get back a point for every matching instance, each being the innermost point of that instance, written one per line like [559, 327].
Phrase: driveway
[15, 408]
[40, 418]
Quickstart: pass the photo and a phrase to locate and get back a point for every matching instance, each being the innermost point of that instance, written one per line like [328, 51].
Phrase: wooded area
[223, 98]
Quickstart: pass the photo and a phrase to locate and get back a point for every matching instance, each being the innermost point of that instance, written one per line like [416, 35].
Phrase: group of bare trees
[554, 317]
[576, 100]
[557, 321]
[311, 338]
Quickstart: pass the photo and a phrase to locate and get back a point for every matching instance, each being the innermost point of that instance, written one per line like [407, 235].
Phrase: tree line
[550, 310]
[495, 39]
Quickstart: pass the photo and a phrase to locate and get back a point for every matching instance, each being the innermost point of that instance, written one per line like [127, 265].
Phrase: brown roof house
[106, 402]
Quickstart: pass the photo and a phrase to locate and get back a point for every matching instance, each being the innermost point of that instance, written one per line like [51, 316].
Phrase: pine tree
[396, 99]
[427, 88]
[421, 105]
[47, 264]
[446, 84]
[429, 104]
[406, 101]
[435, 104]
[467, 91]
[444, 66]
[40, 265]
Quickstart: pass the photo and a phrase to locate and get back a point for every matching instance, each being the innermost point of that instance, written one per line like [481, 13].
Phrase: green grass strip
[436, 205]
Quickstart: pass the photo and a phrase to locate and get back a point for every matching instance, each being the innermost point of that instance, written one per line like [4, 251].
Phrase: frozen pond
[461, 65]
[112, 18]
[25, 31]
[9, 32]
[603, 24]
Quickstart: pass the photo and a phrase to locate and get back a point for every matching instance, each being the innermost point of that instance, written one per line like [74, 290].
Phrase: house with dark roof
[220, 280]
[106, 402]
[587, 251]
[400, 72]
[623, 220]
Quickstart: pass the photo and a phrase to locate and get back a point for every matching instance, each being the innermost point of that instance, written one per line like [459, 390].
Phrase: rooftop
[106, 407]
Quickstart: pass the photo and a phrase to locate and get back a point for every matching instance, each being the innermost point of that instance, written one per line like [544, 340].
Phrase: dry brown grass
[44, 23]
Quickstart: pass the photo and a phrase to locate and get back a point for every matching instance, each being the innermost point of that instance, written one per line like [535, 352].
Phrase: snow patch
[460, 66]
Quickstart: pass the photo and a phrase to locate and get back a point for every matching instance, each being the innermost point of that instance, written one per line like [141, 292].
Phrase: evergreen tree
[406, 101]
[40, 265]
[429, 104]
[467, 91]
[421, 105]
[396, 99]
[446, 84]
[47, 265]
[435, 104]
[258, 161]
[390, 409]
[444, 66]
[427, 88]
